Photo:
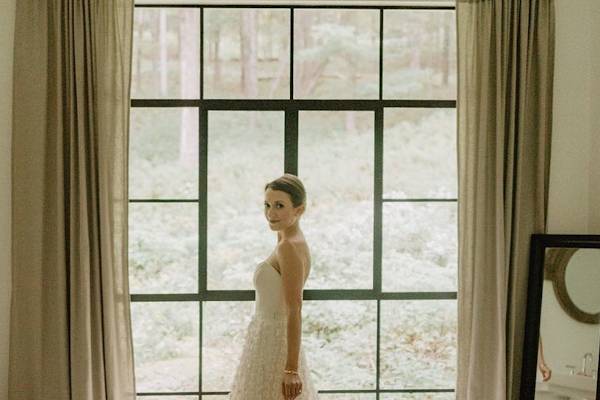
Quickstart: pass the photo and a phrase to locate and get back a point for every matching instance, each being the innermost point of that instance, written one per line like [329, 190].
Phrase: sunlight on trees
[336, 56]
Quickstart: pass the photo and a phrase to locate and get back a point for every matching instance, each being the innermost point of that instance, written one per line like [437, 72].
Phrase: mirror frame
[555, 270]
[538, 245]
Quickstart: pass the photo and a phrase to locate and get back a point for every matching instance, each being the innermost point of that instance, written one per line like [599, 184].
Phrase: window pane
[418, 396]
[169, 397]
[166, 53]
[165, 339]
[339, 338]
[246, 53]
[335, 162]
[419, 54]
[163, 153]
[163, 247]
[419, 247]
[245, 151]
[336, 57]
[336, 54]
[224, 328]
[418, 344]
[419, 159]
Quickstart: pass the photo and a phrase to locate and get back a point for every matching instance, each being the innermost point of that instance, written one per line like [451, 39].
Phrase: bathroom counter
[572, 387]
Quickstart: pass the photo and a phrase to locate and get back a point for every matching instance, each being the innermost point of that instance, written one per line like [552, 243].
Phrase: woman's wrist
[291, 371]
[292, 366]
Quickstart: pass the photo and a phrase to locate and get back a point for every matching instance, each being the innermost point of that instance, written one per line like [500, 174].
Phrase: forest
[244, 53]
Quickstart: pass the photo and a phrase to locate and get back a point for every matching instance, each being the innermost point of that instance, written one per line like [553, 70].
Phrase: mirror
[562, 330]
[575, 276]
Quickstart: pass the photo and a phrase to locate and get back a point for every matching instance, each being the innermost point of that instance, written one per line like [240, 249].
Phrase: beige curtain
[505, 76]
[70, 319]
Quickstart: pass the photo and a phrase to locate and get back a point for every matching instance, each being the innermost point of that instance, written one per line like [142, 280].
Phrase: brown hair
[290, 184]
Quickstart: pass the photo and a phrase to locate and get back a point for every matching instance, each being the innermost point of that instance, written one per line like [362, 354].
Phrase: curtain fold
[504, 107]
[70, 318]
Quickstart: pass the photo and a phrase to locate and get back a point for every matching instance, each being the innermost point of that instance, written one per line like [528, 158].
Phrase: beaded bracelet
[289, 371]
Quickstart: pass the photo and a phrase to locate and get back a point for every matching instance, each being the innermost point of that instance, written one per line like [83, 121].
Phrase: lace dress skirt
[259, 374]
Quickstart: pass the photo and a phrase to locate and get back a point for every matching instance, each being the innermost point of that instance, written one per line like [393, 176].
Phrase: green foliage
[336, 163]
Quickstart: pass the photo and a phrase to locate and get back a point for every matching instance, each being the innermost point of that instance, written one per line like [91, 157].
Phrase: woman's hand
[546, 372]
[291, 386]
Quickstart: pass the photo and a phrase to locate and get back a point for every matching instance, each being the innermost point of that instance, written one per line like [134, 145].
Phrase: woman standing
[273, 365]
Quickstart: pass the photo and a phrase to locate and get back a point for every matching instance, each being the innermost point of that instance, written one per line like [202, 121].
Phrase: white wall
[574, 199]
[7, 20]
[594, 94]
[574, 177]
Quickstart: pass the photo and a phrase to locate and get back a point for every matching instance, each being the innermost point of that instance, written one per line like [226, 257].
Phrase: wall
[574, 199]
[594, 100]
[574, 182]
[7, 20]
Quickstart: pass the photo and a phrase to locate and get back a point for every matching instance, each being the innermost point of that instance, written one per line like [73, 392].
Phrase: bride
[273, 365]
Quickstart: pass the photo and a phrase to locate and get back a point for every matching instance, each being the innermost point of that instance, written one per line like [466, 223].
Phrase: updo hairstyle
[290, 184]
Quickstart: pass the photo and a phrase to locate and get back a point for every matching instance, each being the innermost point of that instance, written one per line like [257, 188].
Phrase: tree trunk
[283, 66]
[190, 82]
[248, 44]
[138, 57]
[350, 120]
[446, 54]
[217, 56]
[271, 35]
[308, 72]
[163, 45]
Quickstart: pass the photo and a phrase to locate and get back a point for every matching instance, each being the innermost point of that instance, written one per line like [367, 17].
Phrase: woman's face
[279, 211]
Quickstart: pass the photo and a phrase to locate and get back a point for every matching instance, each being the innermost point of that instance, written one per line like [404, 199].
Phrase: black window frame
[291, 107]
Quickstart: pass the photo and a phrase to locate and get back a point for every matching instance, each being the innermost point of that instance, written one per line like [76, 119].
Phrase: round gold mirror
[575, 276]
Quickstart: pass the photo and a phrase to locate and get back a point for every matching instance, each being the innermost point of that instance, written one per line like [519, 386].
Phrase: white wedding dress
[259, 374]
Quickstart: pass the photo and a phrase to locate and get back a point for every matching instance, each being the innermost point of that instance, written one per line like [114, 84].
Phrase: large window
[359, 102]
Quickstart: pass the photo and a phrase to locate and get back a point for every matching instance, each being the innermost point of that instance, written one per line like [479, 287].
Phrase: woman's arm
[292, 274]
[544, 369]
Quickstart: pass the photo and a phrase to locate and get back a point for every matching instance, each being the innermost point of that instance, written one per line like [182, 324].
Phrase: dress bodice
[270, 303]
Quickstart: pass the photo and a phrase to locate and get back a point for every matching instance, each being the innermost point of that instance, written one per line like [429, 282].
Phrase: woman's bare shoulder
[300, 247]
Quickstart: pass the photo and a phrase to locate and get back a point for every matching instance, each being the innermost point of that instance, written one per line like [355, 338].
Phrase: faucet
[586, 367]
